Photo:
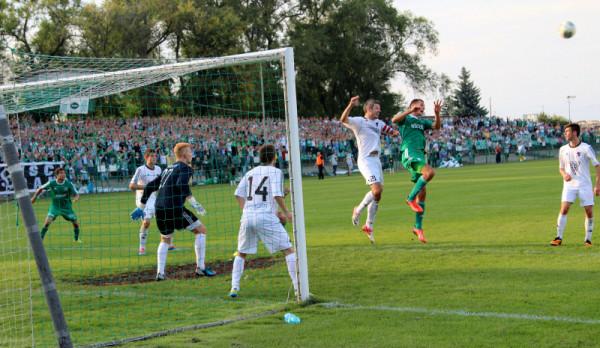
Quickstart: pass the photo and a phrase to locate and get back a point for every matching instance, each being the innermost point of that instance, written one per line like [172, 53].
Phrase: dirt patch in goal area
[186, 271]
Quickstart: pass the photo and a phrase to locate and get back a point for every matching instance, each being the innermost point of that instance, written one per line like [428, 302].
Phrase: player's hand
[597, 191]
[199, 208]
[33, 199]
[412, 109]
[437, 107]
[286, 191]
[395, 133]
[354, 101]
[137, 214]
[288, 216]
[75, 199]
[567, 177]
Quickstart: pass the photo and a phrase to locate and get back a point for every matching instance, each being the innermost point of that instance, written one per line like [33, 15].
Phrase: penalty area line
[461, 313]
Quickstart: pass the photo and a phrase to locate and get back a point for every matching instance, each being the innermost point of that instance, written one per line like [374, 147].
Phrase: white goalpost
[82, 85]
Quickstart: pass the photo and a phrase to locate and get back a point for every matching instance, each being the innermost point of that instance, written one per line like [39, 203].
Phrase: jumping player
[368, 129]
[412, 130]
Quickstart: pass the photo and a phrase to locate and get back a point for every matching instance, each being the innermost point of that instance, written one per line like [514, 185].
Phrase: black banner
[36, 174]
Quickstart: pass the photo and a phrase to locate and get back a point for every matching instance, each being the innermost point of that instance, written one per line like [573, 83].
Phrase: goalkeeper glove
[137, 214]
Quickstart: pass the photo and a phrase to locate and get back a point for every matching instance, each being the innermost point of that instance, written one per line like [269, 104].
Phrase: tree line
[342, 47]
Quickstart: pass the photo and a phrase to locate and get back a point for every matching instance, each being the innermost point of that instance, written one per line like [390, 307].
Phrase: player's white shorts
[149, 210]
[370, 168]
[585, 194]
[265, 226]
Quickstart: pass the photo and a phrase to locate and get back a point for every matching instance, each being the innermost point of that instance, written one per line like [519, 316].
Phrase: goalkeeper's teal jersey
[412, 129]
[60, 193]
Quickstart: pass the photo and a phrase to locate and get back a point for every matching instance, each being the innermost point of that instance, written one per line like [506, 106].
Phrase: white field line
[462, 313]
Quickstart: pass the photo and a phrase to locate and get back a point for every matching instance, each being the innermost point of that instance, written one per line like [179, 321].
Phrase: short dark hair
[416, 100]
[574, 127]
[267, 153]
[369, 103]
[58, 170]
[149, 152]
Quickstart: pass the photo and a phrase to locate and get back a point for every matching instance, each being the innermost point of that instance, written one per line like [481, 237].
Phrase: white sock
[371, 213]
[236, 272]
[589, 228]
[366, 201]
[200, 248]
[161, 257]
[143, 236]
[560, 225]
[291, 266]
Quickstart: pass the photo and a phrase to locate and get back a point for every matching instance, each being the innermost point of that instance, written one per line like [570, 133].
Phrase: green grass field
[487, 277]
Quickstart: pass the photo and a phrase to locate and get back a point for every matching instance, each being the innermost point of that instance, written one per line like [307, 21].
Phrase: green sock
[76, 233]
[417, 188]
[419, 217]
[43, 231]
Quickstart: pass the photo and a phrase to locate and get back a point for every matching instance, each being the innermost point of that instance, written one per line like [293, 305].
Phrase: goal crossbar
[49, 92]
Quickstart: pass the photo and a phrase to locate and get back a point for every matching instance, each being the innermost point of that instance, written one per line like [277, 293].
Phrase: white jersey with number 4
[259, 187]
[575, 161]
[368, 134]
[143, 175]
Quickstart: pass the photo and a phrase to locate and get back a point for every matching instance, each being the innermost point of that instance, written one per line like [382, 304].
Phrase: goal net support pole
[11, 157]
[296, 172]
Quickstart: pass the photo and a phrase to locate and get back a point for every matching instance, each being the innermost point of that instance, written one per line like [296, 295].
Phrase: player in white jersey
[574, 160]
[259, 194]
[143, 175]
[368, 129]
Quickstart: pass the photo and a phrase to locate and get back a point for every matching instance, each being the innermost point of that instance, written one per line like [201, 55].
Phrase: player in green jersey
[412, 129]
[61, 191]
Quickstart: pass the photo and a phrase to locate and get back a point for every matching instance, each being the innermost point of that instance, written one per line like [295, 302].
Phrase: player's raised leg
[418, 227]
[426, 175]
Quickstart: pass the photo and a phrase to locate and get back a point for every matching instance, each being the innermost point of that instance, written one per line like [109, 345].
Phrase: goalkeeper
[173, 187]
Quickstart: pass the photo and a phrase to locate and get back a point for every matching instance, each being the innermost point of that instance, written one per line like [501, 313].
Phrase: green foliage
[554, 119]
[342, 48]
[356, 47]
[465, 101]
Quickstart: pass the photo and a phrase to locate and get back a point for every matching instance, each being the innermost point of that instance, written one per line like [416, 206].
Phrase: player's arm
[149, 188]
[387, 130]
[37, 193]
[241, 191]
[133, 185]
[353, 102]
[561, 168]
[241, 201]
[437, 109]
[401, 116]
[281, 203]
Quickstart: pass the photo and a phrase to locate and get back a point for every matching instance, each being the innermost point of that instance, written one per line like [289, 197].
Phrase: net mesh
[16, 328]
[226, 108]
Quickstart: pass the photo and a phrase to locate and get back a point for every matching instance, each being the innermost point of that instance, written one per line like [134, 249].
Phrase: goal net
[104, 120]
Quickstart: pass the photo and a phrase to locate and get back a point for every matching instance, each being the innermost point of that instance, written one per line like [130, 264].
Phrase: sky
[515, 53]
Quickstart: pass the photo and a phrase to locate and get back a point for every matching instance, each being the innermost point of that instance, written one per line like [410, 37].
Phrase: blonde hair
[180, 148]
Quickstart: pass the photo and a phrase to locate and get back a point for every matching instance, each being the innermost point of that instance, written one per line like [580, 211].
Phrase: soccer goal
[102, 119]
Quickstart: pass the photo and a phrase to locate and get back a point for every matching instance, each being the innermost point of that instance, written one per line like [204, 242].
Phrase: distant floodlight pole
[569, 97]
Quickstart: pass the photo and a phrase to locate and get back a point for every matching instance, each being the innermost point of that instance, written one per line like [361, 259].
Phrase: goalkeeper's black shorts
[170, 220]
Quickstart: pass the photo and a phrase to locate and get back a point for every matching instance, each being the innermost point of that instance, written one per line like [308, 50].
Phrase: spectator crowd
[105, 148]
